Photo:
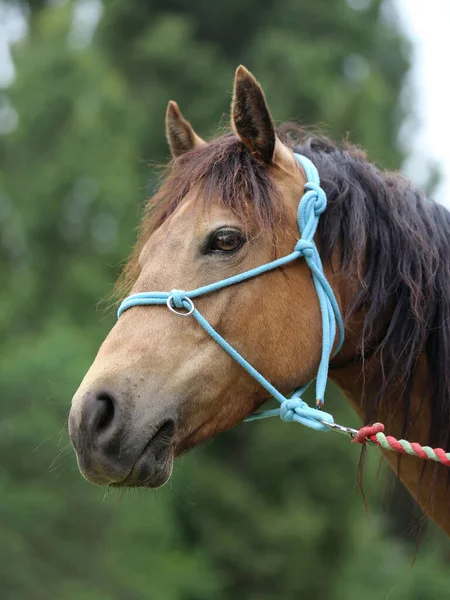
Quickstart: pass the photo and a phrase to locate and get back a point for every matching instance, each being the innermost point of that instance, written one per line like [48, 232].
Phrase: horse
[160, 385]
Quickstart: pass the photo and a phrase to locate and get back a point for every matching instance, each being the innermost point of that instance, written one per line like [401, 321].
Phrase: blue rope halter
[311, 206]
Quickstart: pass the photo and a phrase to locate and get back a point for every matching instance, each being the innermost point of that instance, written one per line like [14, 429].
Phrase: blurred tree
[256, 514]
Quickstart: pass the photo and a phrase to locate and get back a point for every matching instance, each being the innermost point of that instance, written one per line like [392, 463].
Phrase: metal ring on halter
[181, 314]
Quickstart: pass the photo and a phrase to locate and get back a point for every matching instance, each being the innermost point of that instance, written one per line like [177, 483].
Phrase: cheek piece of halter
[311, 206]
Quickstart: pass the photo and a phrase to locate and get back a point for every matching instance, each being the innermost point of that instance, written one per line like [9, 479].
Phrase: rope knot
[368, 432]
[178, 296]
[305, 248]
[287, 409]
[320, 202]
[295, 409]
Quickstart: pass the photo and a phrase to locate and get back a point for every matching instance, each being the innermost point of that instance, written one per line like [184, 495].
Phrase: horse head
[160, 384]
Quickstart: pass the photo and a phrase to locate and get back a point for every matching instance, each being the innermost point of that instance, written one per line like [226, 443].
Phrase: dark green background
[269, 510]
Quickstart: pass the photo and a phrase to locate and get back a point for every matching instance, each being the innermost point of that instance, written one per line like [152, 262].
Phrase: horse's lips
[152, 469]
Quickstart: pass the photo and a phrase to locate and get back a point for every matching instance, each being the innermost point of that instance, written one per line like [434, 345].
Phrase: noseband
[311, 206]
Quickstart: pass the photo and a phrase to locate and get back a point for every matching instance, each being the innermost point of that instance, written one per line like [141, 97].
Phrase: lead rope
[375, 435]
[311, 206]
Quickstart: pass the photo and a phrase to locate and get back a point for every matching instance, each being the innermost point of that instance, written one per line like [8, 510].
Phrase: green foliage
[263, 511]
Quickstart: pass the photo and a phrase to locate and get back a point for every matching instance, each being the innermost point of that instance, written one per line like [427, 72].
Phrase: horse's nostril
[105, 412]
[98, 414]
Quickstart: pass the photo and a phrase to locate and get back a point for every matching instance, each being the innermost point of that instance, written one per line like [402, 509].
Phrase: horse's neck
[419, 477]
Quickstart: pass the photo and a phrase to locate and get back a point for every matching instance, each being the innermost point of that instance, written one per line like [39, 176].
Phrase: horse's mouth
[154, 465]
[144, 474]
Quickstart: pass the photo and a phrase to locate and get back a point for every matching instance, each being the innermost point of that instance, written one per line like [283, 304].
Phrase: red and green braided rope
[375, 433]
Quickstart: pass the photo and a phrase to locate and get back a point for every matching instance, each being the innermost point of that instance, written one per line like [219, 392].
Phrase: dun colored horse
[160, 385]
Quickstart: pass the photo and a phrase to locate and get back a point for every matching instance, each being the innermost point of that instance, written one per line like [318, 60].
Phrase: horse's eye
[225, 240]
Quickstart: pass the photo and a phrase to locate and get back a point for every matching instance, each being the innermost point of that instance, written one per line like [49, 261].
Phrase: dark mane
[399, 242]
[392, 237]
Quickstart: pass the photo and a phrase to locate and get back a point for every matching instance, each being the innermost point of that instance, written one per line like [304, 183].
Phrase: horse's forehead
[192, 219]
[194, 215]
[180, 224]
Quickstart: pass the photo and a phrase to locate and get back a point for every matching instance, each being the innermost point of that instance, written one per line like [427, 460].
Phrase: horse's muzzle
[112, 451]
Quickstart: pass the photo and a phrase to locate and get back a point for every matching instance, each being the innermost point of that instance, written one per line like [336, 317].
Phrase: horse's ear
[251, 118]
[179, 132]
[253, 124]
